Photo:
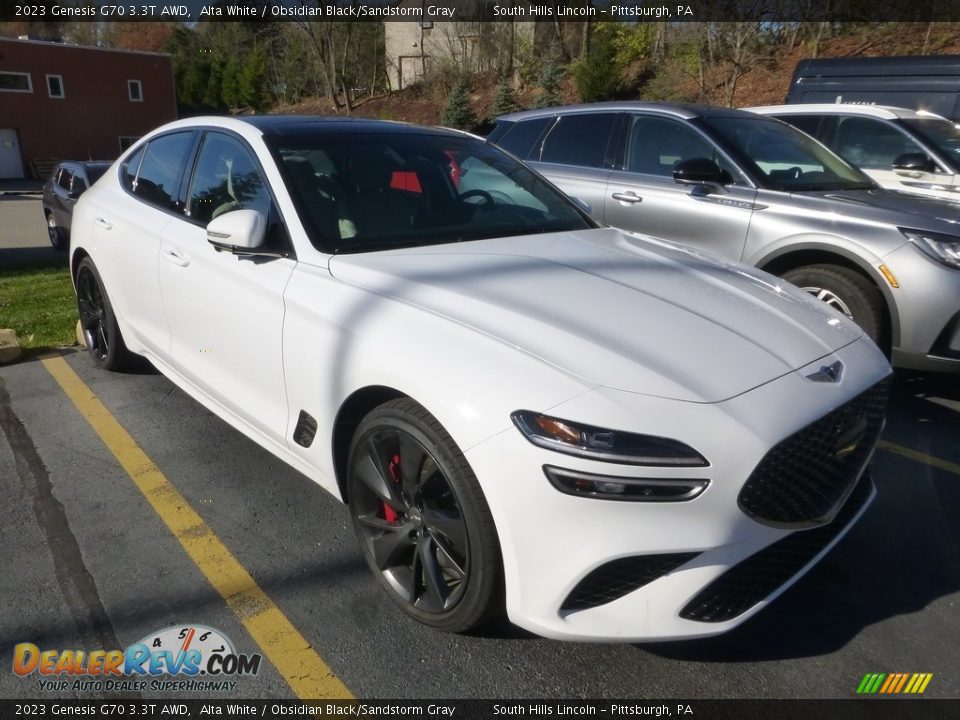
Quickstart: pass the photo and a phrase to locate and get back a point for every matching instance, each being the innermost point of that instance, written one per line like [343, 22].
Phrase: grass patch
[39, 304]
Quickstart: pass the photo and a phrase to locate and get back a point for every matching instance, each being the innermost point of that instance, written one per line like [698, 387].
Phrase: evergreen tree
[503, 100]
[457, 112]
[549, 84]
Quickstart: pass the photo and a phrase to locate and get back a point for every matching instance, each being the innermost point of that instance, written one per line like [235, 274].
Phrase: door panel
[226, 312]
[226, 321]
[645, 198]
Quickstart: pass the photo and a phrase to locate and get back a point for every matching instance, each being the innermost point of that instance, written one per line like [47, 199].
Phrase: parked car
[616, 437]
[757, 190]
[915, 152]
[60, 192]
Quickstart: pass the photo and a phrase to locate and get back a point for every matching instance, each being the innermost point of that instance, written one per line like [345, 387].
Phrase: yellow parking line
[299, 664]
[920, 457]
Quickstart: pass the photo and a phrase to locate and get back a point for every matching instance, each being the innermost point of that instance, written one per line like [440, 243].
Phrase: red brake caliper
[389, 514]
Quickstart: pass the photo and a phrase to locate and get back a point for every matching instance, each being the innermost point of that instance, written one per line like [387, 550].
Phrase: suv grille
[619, 577]
[804, 479]
[753, 579]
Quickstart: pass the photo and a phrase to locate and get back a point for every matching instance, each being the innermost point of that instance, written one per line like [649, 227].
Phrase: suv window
[520, 138]
[64, 180]
[79, 185]
[870, 143]
[656, 144]
[579, 139]
[227, 178]
[810, 124]
[162, 169]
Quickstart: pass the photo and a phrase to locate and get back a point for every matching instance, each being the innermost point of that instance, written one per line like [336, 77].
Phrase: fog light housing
[605, 487]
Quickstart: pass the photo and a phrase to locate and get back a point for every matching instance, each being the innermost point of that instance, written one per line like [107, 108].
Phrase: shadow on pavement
[32, 257]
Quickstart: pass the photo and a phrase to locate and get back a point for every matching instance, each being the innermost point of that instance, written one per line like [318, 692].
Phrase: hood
[890, 206]
[616, 310]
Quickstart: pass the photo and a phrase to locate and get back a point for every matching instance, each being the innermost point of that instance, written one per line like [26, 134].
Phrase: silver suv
[757, 190]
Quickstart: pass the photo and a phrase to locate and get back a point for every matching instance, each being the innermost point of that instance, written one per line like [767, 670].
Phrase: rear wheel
[59, 238]
[846, 291]
[422, 520]
[97, 320]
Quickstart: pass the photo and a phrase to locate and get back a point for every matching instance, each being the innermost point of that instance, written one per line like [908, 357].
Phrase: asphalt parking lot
[111, 478]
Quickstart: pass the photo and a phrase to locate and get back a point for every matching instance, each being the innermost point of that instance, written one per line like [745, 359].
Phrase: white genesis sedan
[609, 436]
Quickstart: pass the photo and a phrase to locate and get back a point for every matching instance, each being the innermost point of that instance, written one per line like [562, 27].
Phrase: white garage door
[10, 163]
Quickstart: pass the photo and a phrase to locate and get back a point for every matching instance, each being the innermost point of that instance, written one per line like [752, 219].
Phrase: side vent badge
[305, 430]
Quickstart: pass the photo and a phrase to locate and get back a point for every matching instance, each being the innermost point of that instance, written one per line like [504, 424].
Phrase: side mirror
[698, 171]
[237, 231]
[914, 162]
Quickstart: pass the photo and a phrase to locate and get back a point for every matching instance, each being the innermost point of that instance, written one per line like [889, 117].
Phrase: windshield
[942, 134]
[361, 192]
[779, 157]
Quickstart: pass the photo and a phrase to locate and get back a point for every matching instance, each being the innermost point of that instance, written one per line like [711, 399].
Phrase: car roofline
[886, 112]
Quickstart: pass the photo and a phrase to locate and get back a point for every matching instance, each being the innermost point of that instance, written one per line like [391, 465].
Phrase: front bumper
[582, 568]
[928, 309]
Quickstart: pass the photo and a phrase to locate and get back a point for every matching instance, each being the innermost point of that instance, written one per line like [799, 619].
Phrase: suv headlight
[595, 443]
[942, 248]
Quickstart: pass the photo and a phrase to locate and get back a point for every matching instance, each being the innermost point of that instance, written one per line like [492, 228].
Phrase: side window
[162, 168]
[65, 177]
[227, 178]
[810, 124]
[655, 145]
[128, 171]
[579, 140]
[79, 185]
[520, 138]
[871, 144]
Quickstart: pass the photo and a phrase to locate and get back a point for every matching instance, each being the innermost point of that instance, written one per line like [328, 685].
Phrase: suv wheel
[846, 291]
[58, 236]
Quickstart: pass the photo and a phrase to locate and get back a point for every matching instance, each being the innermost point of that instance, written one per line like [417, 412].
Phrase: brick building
[70, 102]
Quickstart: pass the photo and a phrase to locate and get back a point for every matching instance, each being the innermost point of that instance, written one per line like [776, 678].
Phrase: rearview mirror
[238, 230]
[698, 171]
[914, 162]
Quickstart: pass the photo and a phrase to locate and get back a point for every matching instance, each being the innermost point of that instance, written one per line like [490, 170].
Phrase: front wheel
[846, 291]
[59, 238]
[98, 321]
[421, 518]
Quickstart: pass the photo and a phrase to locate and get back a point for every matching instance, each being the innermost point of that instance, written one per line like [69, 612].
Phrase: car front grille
[802, 480]
[616, 578]
[750, 581]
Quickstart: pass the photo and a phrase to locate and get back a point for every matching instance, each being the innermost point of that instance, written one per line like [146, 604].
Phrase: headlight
[943, 248]
[596, 443]
[603, 487]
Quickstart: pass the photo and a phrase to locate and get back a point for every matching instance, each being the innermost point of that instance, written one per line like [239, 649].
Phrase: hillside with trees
[324, 67]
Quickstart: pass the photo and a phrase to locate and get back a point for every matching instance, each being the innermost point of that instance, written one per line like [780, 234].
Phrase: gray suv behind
[756, 190]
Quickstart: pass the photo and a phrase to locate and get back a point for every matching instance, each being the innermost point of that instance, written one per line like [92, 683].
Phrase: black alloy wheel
[97, 321]
[421, 518]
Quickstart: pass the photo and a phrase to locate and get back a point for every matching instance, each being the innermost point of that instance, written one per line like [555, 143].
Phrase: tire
[59, 238]
[98, 321]
[847, 291]
[422, 521]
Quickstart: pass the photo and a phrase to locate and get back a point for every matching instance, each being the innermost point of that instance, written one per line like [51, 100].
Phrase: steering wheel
[487, 198]
[795, 173]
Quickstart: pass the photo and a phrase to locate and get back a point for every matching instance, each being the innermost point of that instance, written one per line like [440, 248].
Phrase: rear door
[577, 155]
[643, 196]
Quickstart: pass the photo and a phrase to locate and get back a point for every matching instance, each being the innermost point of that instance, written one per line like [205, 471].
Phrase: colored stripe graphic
[894, 683]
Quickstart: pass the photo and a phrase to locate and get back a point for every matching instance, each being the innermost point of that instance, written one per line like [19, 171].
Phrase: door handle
[627, 197]
[101, 222]
[176, 257]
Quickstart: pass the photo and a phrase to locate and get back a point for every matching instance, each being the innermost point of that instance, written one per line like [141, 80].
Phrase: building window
[15, 82]
[135, 90]
[55, 86]
[127, 140]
